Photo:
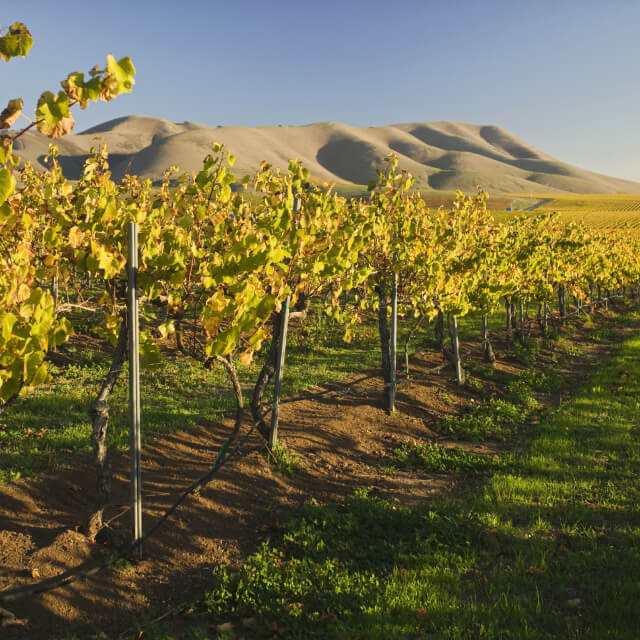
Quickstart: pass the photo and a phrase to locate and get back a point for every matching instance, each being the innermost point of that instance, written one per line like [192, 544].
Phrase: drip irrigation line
[76, 574]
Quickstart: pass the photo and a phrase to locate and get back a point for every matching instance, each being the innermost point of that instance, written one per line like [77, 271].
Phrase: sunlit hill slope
[441, 155]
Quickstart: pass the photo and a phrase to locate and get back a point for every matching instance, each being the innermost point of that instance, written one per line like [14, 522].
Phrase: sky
[564, 75]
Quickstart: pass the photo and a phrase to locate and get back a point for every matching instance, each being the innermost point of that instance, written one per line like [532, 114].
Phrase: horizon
[555, 74]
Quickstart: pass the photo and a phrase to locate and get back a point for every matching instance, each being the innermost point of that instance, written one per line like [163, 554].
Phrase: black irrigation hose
[75, 574]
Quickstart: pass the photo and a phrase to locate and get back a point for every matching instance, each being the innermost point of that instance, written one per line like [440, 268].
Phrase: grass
[495, 418]
[432, 457]
[285, 461]
[546, 546]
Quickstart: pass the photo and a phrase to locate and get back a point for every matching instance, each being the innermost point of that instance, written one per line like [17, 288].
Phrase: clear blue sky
[562, 74]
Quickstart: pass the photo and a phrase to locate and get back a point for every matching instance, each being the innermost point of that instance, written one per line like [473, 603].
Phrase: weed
[602, 334]
[541, 380]
[552, 334]
[285, 461]
[526, 350]
[434, 457]
[519, 392]
[480, 369]
[495, 418]
[388, 469]
[474, 384]
[573, 351]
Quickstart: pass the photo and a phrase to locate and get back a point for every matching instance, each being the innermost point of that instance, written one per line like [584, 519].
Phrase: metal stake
[134, 387]
[394, 338]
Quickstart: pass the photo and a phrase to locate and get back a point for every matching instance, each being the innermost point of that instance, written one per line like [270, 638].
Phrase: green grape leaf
[7, 184]
[53, 116]
[12, 381]
[7, 322]
[16, 42]
[118, 78]
[11, 113]
[150, 355]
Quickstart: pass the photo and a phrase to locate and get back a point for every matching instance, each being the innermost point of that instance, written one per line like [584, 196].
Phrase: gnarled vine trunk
[487, 348]
[99, 413]
[299, 313]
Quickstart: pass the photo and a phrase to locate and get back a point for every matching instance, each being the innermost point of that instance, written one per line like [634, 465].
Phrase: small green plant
[519, 392]
[573, 351]
[481, 369]
[474, 384]
[602, 334]
[388, 469]
[434, 457]
[285, 461]
[526, 351]
[496, 418]
[541, 380]
[123, 565]
[473, 426]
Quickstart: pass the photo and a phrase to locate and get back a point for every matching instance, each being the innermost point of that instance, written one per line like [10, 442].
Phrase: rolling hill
[441, 155]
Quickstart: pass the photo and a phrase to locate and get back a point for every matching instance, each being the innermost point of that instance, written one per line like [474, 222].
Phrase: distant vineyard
[436, 199]
[604, 211]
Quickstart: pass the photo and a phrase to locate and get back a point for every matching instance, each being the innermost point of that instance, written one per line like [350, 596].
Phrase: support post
[394, 339]
[277, 392]
[489, 356]
[134, 388]
[455, 343]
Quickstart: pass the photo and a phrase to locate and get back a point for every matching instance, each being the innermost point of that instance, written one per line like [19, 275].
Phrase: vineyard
[611, 211]
[226, 272]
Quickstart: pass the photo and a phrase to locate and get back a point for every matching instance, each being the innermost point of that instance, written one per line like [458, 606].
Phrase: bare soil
[340, 433]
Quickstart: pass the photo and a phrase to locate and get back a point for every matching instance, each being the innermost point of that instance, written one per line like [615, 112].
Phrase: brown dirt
[340, 433]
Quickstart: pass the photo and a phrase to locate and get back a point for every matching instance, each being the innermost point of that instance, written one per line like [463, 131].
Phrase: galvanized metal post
[134, 388]
[394, 338]
[455, 343]
[485, 335]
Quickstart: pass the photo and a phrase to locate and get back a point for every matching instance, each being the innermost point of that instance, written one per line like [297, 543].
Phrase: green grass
[285, 461]
[547, 546]
[495, 418]
[434, 457]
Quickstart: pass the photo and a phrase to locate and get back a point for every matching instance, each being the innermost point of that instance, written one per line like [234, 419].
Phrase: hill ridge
[443, 155]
